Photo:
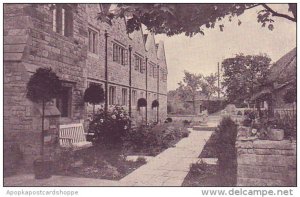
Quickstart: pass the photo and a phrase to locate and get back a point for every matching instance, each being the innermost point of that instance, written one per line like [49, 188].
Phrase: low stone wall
[266, 163]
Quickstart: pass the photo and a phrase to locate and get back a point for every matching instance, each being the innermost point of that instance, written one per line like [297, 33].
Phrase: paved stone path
[171, 166]
[167, 169]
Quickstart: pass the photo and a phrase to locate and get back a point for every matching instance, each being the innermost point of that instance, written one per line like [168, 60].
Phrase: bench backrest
[73, 131]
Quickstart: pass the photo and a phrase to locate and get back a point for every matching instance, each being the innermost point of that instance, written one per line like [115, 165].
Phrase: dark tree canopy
[43, 85]
[172, 19]
[94, 94]
[243, 75]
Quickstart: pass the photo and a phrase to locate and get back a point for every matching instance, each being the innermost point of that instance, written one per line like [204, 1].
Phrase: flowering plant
[109, 127]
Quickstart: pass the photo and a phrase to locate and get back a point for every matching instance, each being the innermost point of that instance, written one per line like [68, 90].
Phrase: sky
[201, 54]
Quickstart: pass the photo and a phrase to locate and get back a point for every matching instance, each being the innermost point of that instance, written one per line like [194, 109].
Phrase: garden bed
[202, 175]
[97, 162]
[221, 145]
[151, 141]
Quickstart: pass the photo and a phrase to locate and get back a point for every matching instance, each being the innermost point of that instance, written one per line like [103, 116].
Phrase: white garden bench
[73, 135]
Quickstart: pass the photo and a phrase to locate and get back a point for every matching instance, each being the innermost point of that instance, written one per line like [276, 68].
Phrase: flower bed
[152, 140]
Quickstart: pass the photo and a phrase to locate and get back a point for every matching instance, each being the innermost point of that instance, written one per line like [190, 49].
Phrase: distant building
[202, 102]
[81, 50]
[283, 77]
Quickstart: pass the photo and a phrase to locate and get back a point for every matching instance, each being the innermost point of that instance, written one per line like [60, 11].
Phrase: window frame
[62, 20]
[120, 54]
[124, 99]
[112, 95]
[134, 97]
[93, 36]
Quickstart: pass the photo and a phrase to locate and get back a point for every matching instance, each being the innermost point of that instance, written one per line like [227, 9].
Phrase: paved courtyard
[166, 169]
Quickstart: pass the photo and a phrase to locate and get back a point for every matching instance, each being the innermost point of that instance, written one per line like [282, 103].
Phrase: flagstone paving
[166, 169]
[171, 166]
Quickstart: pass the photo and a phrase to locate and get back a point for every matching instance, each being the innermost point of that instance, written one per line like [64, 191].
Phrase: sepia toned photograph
[149, 94]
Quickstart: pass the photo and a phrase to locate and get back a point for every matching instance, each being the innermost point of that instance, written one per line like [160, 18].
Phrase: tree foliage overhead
[172, 19]
[243, 75]
[43, 86]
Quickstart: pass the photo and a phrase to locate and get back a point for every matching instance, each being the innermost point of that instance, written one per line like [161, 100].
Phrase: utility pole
[218, 80]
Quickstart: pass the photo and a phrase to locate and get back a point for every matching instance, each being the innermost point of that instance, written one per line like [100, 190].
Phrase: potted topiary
[94, 94]
[43, 86]
[142, 102]
[155, 104]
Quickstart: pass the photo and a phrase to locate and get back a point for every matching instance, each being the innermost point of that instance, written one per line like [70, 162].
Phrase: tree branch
[253, 6]
[274, 13]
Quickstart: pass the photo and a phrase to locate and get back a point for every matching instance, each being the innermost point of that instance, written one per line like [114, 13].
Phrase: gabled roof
[282, 73]
[285, 68]
[160, 50]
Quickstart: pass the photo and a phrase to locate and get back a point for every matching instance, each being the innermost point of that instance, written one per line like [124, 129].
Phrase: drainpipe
[146, 65]
[106, 73]
[157, 92]
[130, 104]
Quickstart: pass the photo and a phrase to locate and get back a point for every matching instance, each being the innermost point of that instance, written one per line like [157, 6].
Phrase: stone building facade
[81, 50]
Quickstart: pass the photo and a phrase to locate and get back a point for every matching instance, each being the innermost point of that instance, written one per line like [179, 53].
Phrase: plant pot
[276, 134]
[42, 169]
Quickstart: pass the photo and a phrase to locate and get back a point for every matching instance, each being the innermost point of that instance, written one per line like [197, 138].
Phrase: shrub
[141, 160]
[169, 119]
[152, 139]
[187, 122]
[227, 132]
[110, 127]
[198, 168]
[290, 96]
[247, 122]
[239, 113]
[287, 122]
[185, 134]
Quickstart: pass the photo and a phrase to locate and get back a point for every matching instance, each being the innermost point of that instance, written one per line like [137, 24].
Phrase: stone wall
[30, 43]
[266, 163]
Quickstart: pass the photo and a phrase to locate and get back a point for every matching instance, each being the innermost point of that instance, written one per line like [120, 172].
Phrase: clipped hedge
[227, 132]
